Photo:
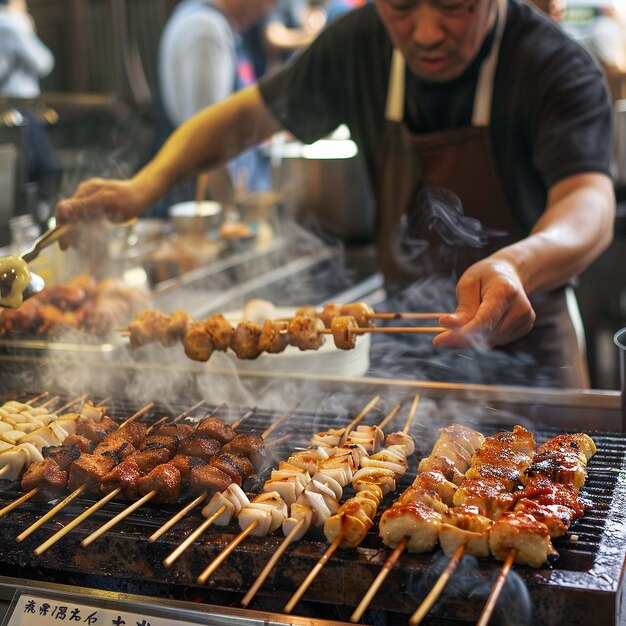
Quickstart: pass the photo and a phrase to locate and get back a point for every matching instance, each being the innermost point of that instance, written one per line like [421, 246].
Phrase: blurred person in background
[24, 60]
[485, 99]
[603, 33]
[202, 60]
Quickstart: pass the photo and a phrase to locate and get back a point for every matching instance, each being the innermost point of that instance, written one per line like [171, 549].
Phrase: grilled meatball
[305, 332]
[220, 331]
[330, 311]
[343, 327]
[216, 428]
[273, 338]
[142, 330]
[361, 312]
[245, 340]
[198, 343]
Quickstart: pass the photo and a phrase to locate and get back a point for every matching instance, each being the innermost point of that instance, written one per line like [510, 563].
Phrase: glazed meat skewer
[204, 494]
[214, 515]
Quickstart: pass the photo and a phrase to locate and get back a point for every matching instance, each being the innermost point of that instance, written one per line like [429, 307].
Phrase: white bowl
[195, 217]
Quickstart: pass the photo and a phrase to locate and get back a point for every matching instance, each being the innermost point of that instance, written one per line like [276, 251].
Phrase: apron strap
[481, 115]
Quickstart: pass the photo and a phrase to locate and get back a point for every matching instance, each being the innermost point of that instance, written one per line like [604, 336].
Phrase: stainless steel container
[620, 342]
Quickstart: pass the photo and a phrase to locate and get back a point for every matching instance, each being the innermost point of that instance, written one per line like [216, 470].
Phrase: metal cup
[620, 342]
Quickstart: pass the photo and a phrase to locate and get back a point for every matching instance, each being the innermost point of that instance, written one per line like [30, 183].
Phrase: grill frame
[585, 585]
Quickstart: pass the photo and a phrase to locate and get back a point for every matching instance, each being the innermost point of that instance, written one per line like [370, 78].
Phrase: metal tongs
[52, 235]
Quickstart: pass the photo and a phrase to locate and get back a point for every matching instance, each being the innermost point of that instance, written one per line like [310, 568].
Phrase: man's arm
[207, 140]
[576, 227]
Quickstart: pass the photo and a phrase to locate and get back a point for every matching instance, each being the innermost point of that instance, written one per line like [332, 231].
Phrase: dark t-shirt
[551, 116]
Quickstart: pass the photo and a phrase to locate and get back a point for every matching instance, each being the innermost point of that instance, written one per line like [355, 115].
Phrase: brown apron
[462, 160]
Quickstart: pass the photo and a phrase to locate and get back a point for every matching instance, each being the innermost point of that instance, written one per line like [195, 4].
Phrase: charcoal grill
[584, 586]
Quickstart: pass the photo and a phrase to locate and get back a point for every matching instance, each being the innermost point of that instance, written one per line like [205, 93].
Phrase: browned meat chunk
[250, 445]
[167, 441]
[115, 445]
[220, 331]
[89, 469]
[343, 327]
[95, 431]
[273, 338]
[185, 463]
[63, 455]
[330, 311]
[236, 466]
[134, 432]
[305, 332]
[560, 467]
[80, 442]
[124, 476]
[182, 431]
[208, 479]
[165, 480]
[546, 492]
[149, 457]
[361, 311]
[204, 447]
[245, 340]
[144, 329]
[216, 428]
[197, 342]
[47, 476]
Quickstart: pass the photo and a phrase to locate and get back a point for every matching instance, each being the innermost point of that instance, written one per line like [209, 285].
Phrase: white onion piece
[215, 503]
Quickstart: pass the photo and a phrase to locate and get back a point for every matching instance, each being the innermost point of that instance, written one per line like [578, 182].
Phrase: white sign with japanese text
[32, 610]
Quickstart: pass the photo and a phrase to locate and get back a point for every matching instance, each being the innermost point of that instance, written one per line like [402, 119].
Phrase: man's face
[438, 38]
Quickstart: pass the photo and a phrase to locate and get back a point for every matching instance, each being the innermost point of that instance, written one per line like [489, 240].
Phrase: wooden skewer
[378, 581]
[75, 522]
[368, 407]
[138, 414]
[271, 563]
[305, 584]
[48, 402]
[288, 413]
[70, 403]
[4, 469]
[485, 616]
[391, 329]
[169, 561]
[27, 496]
[289, 538]
[217, 561]
[118, 518]
[51, 513]
[37, 398]
[54, 538]
[435, 592]
[177, 517]
[406, 316]
[390, 416]
[412, 412]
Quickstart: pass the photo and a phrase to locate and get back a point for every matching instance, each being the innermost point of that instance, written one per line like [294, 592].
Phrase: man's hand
[493, 308]
[115, 200]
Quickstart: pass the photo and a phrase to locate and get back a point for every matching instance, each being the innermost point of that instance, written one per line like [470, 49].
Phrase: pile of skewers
[306, 330]
[82, 304]
[495, 496]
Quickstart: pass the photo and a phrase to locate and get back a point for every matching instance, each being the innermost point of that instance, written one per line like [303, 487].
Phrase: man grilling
[483, 98]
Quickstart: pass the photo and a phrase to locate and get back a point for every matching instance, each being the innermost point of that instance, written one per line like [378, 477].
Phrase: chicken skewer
[347, 528]
[31, 451]
[561, 461]
[82, 488]
[165, 473]
[204, 494]
[238, 499]
[445, 457]
[110, 495]
[295, 532]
